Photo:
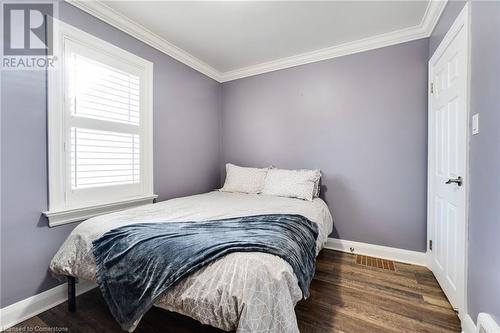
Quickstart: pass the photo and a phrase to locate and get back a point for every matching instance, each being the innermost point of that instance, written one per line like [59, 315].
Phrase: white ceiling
[230, 37]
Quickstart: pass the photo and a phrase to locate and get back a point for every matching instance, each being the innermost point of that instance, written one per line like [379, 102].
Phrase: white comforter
[247, 292]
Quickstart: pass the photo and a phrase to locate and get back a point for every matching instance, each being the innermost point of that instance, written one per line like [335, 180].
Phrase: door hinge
[432, 87]
[430, 244]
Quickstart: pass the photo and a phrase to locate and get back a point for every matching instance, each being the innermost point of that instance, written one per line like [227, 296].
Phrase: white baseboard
[32, 306]
[468, 325]
[384, 252]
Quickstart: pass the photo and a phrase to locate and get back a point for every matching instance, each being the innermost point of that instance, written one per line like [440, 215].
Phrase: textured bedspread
[137, 263]
[250, 292]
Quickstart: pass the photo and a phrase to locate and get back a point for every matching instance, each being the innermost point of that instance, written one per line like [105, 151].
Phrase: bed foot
[72, 294]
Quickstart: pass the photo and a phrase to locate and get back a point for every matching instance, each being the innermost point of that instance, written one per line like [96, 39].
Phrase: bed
[246, 292]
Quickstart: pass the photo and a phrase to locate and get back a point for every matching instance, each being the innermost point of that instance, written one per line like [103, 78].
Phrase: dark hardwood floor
[345, 297]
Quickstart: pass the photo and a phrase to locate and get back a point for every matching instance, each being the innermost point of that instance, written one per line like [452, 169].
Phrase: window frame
[65, 206]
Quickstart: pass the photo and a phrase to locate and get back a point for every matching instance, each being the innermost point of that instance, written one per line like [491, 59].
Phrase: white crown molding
[432, 14]
[123, 23]
[357, 46]
[423, 30]
[110, 16]
[18, 312]
[378, 251]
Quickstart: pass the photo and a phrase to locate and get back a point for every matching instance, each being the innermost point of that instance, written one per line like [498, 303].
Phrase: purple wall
[186, 120]
[484, 208]
[361, 119]
[484, 197]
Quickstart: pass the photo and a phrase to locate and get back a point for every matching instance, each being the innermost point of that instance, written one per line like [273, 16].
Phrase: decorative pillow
[301, 184]
[317, 185]
[244, 180]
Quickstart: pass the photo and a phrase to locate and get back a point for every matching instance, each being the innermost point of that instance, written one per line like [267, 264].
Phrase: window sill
[59, 217]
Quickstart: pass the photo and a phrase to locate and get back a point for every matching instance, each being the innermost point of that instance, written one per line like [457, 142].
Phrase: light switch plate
[475, 123]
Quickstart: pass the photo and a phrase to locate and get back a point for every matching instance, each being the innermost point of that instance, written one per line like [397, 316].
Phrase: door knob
[457, 181]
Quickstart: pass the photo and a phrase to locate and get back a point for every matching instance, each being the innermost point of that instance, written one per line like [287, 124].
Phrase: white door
[448, 113]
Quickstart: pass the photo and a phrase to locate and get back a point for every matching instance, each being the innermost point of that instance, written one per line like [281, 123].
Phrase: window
[100, 128]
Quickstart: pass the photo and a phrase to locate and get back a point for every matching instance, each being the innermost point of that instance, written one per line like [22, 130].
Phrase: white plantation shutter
[112, 96]
[100, 158]
[100, 128]
[106, 93]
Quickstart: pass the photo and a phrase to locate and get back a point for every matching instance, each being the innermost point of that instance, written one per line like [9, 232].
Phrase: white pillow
[317, 185]
[244, 180]
[301, 184]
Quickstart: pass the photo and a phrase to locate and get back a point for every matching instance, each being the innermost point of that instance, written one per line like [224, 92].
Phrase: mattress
[246, 292]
